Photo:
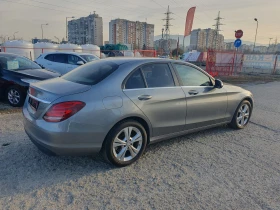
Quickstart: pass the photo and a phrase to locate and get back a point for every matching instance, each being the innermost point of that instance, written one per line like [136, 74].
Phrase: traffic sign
[238, 34]
[237, 43]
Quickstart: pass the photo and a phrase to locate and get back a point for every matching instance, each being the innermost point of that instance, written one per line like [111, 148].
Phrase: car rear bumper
[50, 140]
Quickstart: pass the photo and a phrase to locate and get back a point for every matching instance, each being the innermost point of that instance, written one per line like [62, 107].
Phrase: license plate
[33, 103]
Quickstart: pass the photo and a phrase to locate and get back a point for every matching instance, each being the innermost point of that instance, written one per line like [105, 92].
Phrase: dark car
[16, 73]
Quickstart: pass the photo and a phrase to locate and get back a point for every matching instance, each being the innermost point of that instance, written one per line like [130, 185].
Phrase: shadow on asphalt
[29, 169]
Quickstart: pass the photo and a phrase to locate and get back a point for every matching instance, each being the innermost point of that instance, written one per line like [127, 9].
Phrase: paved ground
[216, 169]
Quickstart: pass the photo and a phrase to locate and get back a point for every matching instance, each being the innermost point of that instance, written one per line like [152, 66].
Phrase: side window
[73, 59]
[49, 57]
[158, 75]
[191, 76]
[60, 58]
[135, 81]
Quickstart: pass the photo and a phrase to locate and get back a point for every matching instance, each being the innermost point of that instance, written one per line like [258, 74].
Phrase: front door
[153, 90]
[206, 105]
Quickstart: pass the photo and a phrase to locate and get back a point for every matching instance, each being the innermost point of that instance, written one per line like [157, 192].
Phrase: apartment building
[86, 30]
[134, 33]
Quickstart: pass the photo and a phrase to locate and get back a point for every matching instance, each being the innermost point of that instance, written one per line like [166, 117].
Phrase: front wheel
[242, 115]
[125, 143]
[15, 96]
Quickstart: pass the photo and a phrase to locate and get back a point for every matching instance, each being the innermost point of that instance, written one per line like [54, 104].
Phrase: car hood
[40, 74]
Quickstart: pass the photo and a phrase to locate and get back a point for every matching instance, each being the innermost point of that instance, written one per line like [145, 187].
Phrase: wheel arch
[250, 100]
[141, 120]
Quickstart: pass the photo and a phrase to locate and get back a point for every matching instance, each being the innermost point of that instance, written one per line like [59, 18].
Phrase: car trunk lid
[42, 94]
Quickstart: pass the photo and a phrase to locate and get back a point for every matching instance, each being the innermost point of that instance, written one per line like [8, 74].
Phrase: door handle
[193, 92]
[144, 97]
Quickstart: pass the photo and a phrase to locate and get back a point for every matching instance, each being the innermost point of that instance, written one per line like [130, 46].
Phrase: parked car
[16, 73]
[120, 105]
[63, 62]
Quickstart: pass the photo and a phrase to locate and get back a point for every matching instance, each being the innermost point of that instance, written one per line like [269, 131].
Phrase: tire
[242, 115]
[121, 153]
[15, 96]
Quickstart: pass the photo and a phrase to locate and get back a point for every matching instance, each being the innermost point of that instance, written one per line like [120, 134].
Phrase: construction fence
[226, 63]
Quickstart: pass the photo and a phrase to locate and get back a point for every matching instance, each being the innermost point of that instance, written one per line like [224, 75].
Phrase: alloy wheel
[243, 115]
[127, 144]
[14, 96]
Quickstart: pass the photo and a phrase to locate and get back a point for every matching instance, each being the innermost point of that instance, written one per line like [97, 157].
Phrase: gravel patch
[220, 168]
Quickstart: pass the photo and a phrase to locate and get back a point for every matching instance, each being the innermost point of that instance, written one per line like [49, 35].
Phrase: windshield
[91, 73]
[89, 58]
[15, 63]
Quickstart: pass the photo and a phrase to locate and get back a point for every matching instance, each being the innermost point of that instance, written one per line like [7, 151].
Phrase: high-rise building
[136, 34]
[86, 30]
[203, 39]
[198, 40]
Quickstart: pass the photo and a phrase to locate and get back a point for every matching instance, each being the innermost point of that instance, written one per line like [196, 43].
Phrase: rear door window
[158, 75]
[135, 81]
[91, 73]
[60, 58]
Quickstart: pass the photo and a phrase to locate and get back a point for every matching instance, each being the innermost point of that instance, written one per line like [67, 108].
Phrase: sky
[26, 16]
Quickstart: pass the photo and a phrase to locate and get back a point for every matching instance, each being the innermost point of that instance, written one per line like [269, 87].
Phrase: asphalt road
[219, 168]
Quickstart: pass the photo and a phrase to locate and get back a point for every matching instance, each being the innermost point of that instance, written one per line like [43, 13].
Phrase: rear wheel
[125, 143]
[15, 96]
[242, 115]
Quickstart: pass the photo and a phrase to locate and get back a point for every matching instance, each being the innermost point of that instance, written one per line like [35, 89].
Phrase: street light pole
[256, 33]
[15, 35]
[43, 30]
[67, 27]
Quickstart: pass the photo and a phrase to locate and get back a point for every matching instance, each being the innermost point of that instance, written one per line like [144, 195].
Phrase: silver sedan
[119, 106]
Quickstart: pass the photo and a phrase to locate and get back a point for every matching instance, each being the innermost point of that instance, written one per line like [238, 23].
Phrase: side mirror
[80, 63]
[218, 84]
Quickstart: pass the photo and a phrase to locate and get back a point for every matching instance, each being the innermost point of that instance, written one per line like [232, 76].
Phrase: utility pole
[256, 33]
[217, 29]
[167, 27]
[275, 44]
[269, 44]
[43, 30]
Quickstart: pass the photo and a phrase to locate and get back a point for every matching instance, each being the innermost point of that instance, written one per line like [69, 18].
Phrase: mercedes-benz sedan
[119, 106]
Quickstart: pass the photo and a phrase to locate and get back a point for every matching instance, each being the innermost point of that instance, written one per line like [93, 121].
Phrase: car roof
[68, 53]
[123, 60]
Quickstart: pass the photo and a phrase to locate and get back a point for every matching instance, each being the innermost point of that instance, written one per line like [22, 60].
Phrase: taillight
[62, 111]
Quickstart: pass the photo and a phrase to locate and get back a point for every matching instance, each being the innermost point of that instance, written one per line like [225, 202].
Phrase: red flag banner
[189, 21]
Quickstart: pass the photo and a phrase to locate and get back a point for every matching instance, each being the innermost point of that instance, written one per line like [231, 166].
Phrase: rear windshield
[91, 73]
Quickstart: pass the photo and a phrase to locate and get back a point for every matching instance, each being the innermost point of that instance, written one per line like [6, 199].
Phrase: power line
[36, 6]
[40, 2]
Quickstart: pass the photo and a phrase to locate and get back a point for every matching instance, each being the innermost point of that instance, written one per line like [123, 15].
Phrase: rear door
[206, 105]
[153, 89]
[60, 62]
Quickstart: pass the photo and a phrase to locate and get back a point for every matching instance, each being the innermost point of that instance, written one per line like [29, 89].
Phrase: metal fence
[226, 63]
[223, 63]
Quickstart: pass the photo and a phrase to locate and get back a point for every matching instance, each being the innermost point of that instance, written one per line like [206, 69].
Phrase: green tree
[180, 52]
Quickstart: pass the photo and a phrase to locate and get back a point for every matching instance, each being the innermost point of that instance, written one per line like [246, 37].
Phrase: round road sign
[237, 43]
[238, 34]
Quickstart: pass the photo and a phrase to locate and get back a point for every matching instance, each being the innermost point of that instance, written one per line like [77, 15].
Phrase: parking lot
[220, 168]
